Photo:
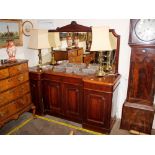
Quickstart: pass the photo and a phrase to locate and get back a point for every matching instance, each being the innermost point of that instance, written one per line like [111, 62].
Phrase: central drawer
[14, 70]
[14, 93]
[13, 81]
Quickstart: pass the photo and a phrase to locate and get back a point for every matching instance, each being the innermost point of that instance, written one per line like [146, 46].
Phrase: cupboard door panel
[73, 101]
[96, 108]
[53, 96]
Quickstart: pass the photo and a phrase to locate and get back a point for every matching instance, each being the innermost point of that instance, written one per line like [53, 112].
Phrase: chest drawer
[4, 73]
[88, 58]
[80, 52]
[4, 98]
[24, 88]
[77, 59]
[7, 111]
[14, 93]
[13, 81]
[23, 101]
[72, 53]
[14, 70]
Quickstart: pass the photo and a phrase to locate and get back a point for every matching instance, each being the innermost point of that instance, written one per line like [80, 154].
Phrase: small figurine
[69, 41]
[76, 41]
[11, 50]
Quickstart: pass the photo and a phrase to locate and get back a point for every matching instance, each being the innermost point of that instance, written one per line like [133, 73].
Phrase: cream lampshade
[54, 41]
[39, 40]
[100, 43]
[100, 39]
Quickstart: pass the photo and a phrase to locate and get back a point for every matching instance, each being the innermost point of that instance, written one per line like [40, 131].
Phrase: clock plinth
[138, 117]
[138, 110]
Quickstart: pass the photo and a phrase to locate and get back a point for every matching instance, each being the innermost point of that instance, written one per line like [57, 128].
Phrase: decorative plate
[26, 27]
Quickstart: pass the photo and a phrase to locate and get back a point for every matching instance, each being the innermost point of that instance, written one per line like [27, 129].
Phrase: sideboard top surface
[107, 80]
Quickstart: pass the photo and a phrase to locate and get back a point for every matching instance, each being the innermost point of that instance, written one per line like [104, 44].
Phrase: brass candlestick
[40, 59]
[53, 62]
[100, 71]
[108, 63]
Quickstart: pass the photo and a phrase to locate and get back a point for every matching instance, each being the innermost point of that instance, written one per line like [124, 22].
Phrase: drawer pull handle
[1, 114]
[11, 91]
[20, 78]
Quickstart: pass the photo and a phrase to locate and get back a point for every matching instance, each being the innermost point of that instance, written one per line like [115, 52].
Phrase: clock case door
[138, 110]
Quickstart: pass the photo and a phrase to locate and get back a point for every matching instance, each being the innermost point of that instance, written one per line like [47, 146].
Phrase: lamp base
[40, 59]
[53, 62]
[100, 72]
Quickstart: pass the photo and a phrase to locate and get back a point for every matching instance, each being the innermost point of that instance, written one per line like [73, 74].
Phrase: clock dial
[145, 29]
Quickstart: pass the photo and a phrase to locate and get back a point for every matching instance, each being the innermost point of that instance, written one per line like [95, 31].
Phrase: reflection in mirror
[71, 40]
[75, 40]
[108, 57]
[74, 37]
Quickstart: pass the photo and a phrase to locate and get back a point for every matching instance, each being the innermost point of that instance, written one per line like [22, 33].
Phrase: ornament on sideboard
[11, 50]
[69, 40]
[76, 41]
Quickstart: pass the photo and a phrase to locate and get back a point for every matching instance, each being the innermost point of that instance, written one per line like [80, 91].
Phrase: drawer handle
[1, 114]
[9, 80]
[11, 91]
[20, 78]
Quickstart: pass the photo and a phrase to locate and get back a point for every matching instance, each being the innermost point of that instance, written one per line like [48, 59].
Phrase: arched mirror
[76, 37]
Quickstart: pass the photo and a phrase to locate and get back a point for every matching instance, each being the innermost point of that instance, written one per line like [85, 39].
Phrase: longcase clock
[138, 110]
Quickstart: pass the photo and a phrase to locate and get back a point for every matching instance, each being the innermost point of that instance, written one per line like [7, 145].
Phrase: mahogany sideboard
[88, 100]
[15, 96]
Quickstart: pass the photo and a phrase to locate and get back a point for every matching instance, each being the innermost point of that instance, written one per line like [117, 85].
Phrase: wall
[120, 25]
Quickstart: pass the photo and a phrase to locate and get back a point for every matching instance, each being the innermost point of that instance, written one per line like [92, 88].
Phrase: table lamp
[39, 40]
[100, 43]
[54, 41]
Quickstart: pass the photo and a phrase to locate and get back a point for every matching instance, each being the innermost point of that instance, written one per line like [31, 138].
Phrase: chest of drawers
[15, 97]
[73, 55]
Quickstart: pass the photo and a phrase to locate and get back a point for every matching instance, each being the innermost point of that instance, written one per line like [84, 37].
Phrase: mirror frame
[74, 27]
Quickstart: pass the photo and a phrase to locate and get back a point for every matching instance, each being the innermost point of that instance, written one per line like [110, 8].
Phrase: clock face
[145, 29]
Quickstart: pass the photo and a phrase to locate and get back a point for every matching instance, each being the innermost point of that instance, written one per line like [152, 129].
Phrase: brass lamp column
[39, 41]
[100, 43]
[100, 71]
[54, 41]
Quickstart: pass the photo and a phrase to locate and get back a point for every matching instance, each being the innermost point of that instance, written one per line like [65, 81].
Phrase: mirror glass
[83, 39]
[70, 40]
[75, 39]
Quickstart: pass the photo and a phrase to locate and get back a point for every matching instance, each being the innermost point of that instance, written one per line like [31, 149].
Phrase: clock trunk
[138, 110]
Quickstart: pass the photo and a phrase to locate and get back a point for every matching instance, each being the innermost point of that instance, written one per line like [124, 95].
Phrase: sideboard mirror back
[85, 38]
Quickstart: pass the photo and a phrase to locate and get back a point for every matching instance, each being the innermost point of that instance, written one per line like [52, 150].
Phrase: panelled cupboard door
[52, 96]
[96, 108]
[72, 100]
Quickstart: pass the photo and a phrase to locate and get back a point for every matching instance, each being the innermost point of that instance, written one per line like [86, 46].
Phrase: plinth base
[138, 117]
